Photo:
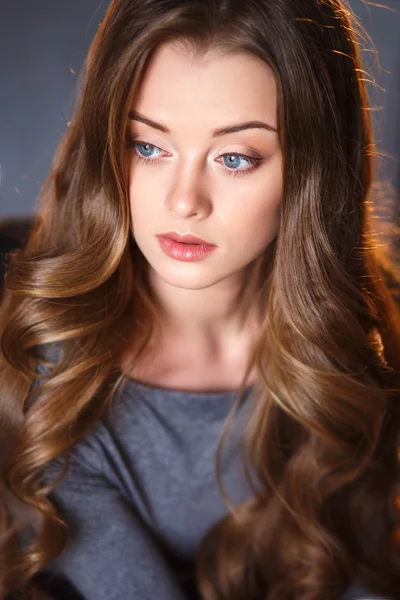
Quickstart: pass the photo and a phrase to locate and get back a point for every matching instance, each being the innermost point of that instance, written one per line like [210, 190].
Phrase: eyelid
[139, 137]
[247, 152]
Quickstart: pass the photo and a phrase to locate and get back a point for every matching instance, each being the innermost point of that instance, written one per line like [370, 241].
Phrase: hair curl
[328, 353]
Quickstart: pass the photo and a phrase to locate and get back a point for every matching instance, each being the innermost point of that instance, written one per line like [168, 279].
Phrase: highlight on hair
[324, 434]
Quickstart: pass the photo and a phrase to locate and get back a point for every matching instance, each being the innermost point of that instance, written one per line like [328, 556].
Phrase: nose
[187, 195]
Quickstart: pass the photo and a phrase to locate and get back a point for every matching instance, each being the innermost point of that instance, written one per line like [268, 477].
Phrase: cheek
[145, 189]
[138, 193]
[256, 217]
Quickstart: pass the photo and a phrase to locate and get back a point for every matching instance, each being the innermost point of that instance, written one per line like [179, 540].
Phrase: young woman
[214, 417]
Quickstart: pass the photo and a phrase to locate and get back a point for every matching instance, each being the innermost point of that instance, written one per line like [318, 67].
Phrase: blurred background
[43, 44]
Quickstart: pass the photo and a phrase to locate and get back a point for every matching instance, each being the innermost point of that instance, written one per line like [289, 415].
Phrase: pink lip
[184, 251]
[186, 239]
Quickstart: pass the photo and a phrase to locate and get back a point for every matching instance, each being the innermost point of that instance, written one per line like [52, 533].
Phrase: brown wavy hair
[323, 438]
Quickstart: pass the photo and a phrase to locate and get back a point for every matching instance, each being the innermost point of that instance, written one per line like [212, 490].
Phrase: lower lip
[185, 252]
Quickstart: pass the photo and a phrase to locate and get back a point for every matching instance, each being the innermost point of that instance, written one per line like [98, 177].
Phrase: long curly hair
[323, 437]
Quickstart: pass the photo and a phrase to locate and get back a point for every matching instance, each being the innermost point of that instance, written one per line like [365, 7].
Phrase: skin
[190, 188]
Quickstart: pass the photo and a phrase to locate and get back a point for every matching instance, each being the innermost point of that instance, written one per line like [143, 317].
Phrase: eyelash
[255, 162]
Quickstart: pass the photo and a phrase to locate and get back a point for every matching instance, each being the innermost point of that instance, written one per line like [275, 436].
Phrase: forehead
[180, 87]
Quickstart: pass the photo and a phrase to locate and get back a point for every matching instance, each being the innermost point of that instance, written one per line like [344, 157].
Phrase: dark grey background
[43, 44]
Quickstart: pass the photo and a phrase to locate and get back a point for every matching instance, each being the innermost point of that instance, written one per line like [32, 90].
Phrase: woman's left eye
[143, 153]
[234, 160]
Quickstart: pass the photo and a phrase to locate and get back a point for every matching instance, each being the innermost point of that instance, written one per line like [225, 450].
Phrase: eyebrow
[135, 116]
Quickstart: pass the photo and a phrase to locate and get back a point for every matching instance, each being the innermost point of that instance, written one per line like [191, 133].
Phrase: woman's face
[226, 188]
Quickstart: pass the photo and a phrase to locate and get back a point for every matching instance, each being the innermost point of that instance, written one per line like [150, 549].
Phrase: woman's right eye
[143, 151]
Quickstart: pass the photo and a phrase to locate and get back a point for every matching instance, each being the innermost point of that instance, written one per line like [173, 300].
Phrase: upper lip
[177, 237]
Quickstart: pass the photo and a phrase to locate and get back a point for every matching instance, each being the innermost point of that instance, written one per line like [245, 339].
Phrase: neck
[211, 318]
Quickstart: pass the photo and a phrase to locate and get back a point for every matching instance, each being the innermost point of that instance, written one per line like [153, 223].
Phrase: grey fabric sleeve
[111, 555]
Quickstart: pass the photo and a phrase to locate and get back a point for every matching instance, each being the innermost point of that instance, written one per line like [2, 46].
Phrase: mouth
[184, 239]
[187, 251]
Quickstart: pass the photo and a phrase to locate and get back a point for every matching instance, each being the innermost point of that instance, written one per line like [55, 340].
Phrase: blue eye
[144, 153]
[232, 161]
[148, 148]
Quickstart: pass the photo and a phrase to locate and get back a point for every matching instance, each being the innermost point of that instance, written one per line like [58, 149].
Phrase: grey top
[141, 492]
